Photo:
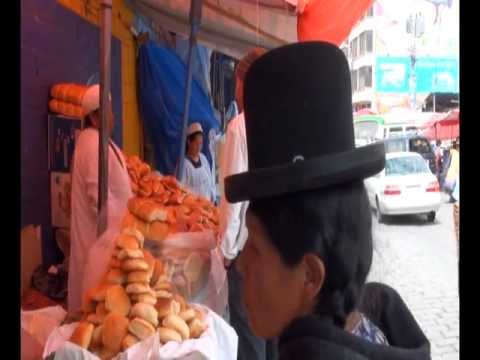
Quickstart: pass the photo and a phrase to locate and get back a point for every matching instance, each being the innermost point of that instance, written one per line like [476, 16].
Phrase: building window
[364, 77]
[363, 43]
[354, 48]
[354, 80]
[369, 41]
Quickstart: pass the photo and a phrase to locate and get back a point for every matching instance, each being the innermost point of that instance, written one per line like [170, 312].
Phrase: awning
[233, 27]
[444, 128]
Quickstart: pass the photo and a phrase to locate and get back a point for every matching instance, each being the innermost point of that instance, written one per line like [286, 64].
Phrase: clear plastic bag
[192, 266]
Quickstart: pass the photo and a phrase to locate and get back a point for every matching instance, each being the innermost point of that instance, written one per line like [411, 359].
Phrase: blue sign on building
[432, 74]
[392, 74]
[436, 75]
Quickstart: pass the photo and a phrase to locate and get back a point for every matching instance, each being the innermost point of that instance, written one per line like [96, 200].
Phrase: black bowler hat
[299, 125]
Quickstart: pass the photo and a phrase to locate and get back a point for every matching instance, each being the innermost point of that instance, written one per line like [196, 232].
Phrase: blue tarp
[162, 76]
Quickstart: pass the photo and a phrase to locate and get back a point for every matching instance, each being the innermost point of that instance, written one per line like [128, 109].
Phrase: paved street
[419, 260]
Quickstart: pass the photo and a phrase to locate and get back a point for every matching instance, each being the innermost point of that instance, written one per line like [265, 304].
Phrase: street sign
[432, 74]
[392, 74]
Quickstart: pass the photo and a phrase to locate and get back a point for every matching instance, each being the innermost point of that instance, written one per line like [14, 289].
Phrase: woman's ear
[314, 276]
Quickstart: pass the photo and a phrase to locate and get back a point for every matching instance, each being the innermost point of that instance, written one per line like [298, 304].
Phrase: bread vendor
[197, 174]
[83, 230]
[309, 246]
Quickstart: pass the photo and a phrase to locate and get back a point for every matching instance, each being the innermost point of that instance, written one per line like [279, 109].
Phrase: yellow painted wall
[122, 18]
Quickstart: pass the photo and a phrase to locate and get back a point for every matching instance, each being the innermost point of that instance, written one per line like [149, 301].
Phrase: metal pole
[195, 21]
[105, 58]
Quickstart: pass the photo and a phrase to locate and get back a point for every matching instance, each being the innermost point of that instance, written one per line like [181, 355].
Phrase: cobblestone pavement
[419, 259]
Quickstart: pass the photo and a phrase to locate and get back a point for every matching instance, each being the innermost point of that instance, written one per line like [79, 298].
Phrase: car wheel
[380, 216]
[431, 216]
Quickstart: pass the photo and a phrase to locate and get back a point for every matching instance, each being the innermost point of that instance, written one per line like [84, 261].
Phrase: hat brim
[320, 172]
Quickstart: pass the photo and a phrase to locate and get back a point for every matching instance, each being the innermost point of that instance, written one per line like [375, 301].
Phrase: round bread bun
[163, 285]
[135, 233]
[142, 329]
[98, 293]
[115, 328]
[117, 300]
[116, 277]
[82, 335]
[150, 261]
[101, 311]
[106, 354]
[127, 242]
[138, 277]
[137, 288]
[158, 270]
[167, 334]
[130, 254]
[146, 312]
[162, 294]
[187, 315]
[129, 341]
[176, 323]
[197, 328]
[166, 307]
[134, 265]
[145, 298]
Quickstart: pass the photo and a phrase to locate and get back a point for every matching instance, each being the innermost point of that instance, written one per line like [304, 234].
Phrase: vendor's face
[274, 293]
[195, 144]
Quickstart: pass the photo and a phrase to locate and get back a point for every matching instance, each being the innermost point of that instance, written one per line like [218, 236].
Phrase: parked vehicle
[405, 186]
[369, 128]
[394, 130]
[414, 143]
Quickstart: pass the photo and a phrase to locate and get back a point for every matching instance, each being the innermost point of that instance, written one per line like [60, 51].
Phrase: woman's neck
[194, 157]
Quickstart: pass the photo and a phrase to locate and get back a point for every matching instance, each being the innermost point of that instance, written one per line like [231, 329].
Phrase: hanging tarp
[232, 27]
[162, 76]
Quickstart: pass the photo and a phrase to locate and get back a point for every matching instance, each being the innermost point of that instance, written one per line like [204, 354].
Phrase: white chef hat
[91, 99]
[194, 128]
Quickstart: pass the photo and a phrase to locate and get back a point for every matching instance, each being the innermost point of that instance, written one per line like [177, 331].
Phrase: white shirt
[83, 230]
[234, 159]
[199, 179]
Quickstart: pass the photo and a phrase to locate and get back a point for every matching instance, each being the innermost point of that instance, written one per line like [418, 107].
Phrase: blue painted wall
[56, 46]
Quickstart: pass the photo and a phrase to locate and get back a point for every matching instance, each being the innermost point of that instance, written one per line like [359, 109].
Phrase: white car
[405, 186]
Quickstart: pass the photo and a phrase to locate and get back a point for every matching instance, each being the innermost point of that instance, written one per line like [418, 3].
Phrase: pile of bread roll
[134, 301]
[67, 99]
[162, 206]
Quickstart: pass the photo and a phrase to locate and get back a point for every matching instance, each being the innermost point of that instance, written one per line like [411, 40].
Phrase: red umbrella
[445, 128]
[365, 111]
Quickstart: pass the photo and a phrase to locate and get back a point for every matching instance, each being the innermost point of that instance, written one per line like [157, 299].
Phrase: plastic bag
[36, 327]
[218, 342]
[188, 260]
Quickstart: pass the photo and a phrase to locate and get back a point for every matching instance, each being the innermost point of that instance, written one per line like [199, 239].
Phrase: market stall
[149, 277]
[445, 128]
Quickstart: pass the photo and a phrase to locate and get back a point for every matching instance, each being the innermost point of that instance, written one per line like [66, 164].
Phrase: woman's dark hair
[88, 122]
[190, 138]
[334, 223]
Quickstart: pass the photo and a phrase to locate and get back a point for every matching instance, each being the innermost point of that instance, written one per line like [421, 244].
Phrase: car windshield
[406, 165]
[420, 145]
[395, 145]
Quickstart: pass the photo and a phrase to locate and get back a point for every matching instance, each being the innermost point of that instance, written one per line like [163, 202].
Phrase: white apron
[83, 230]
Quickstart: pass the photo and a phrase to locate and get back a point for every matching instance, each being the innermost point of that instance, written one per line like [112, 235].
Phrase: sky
[441, 37]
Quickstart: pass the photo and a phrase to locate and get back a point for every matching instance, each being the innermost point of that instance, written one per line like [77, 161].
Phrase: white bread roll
[82, 335]
[115, 328]
[117, 300]
[197, 328]
[187, 315]
[142, 329]
[134, 265]
[146, 312]
[176, 323]
[167, 334]
[137, 288]
[138, 277]
[129, 341]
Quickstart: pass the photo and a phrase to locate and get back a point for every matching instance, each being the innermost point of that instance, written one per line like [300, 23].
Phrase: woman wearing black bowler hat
[309, 247]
